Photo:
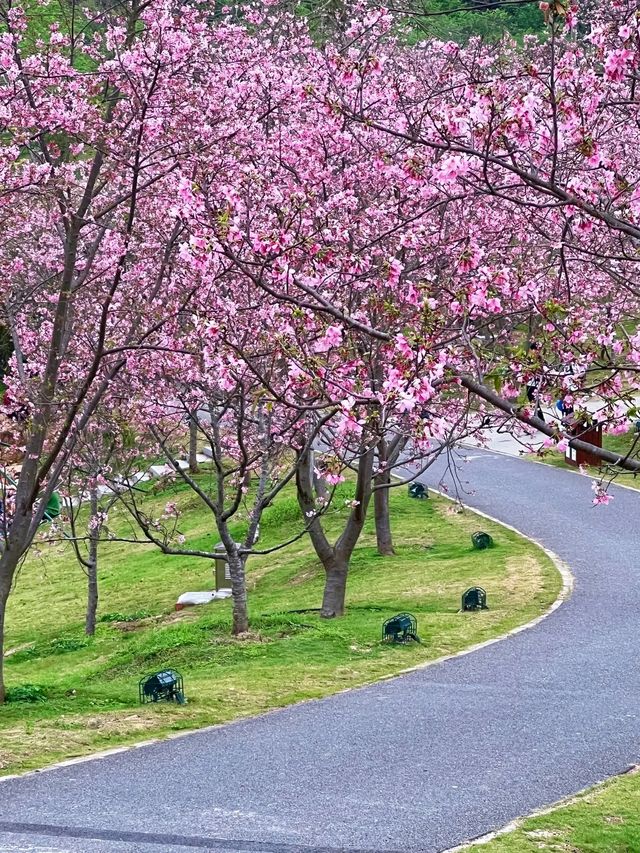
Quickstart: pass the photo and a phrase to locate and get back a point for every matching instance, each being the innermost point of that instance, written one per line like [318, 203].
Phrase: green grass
[74, 695]
[606, 819]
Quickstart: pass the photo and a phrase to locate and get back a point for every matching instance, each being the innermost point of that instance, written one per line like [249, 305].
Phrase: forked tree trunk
[335, 588]
[335, 558]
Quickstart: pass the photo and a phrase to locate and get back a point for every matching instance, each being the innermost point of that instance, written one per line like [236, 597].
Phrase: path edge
[557, 806]
[568, 584]
[565, 592]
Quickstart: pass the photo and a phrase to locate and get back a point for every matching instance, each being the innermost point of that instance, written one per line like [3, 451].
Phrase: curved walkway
[421, 762]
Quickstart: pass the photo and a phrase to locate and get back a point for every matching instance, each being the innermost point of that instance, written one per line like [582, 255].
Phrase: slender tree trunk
[335, 587]
[381, 502]
[9, 559]
[193, 445]
[92, 567]
[320, 486]
[384, 537]
[239, 594]
[4, 595]
[319, 483]
[92, 596]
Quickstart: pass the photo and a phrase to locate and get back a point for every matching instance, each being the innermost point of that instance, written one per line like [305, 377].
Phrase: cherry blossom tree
[105, 461]
[101, 127]
[537, 140]
[250, 437]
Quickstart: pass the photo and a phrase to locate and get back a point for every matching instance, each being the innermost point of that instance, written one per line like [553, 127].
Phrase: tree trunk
[10, 556]
[335, 588]
[193, 445]
[320, 486]
[92, 565]
[336, 558]
[388, 455]
[92, 596]
[239, 594]
[384, 537]
[4, 595]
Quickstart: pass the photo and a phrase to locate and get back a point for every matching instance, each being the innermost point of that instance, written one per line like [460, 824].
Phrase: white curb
[517, 822]
[563, 595]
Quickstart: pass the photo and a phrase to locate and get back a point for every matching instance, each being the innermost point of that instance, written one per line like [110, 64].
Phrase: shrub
[26, 693]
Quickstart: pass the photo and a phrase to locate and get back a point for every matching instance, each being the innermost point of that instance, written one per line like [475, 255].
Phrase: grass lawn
[86, 690]
[604, 820]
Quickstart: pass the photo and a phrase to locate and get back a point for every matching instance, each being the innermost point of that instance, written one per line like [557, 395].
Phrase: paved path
[417, 763]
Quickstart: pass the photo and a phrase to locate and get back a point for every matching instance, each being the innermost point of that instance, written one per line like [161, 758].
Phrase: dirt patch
[189, 613]
[135, 624]
[256, 574]
[246, 637]
[308, 574]
[7, 758]
[415, 544]
[114, 724]
[542, 833]
[17, 649]
[524, 573]
[75, 734]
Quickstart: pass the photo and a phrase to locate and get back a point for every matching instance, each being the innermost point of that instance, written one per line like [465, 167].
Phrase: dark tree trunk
[193, 445]
[384, 537]
[335, 588]
[335, 558]
[4, 595]
[320, 486]
[92, 597]
[388, 455]
[10, 555]
[239, 594]
[92, 567]
[319, 483]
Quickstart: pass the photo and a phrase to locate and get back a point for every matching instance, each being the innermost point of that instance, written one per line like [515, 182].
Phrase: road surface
[417, 763]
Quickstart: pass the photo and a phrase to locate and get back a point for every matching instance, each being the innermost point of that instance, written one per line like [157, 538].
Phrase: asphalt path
[417, 763]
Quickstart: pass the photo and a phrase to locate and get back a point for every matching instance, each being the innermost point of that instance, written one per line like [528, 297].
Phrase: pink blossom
[602, 497]
[331, 338]
[334, 479]
[617, 63]
[451, 168]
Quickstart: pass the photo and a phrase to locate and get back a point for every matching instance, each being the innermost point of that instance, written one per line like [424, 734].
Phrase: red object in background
[592, 434]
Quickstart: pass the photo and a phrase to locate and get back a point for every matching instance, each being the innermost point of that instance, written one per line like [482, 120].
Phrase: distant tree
[6, 350]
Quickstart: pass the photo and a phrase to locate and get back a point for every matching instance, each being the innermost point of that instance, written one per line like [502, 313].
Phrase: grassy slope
[604, 820]
[91, 686]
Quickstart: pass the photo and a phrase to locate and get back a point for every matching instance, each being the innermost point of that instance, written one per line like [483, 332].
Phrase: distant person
[564, 408]
[533, 386]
